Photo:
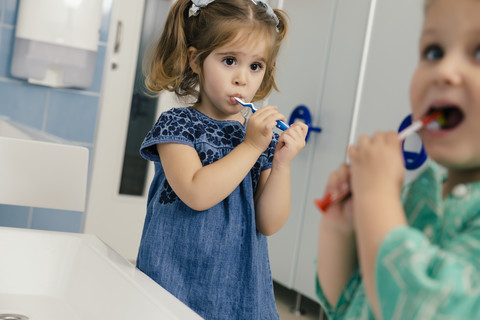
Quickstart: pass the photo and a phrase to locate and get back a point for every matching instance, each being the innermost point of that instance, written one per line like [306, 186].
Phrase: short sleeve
[173, 126]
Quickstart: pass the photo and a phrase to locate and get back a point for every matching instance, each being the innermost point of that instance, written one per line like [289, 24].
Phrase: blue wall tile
[6, 49]
[72, 115]
[1, 11]
[56, 220]
[23, 103]
[99, 63]
[10, 14]
[14, 216]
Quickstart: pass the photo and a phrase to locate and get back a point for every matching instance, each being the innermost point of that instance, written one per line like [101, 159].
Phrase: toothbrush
[419, 124]
[280, 124]
[331, 198]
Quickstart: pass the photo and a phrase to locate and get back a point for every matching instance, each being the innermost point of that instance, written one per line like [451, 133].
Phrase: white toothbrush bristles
[434, 125]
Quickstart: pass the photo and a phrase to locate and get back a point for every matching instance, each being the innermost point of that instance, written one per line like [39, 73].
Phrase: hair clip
[269, 9]
[196, 5]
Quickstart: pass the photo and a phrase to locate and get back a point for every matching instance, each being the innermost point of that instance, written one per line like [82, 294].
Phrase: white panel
[301, 69]
[393, 56]
[335, 116]
[41, 174]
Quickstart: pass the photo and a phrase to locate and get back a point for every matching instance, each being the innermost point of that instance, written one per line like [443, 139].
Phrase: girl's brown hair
[215, 25]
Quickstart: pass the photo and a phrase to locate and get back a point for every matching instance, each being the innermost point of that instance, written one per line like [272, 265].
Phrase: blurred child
[420, 259]
[222, 182]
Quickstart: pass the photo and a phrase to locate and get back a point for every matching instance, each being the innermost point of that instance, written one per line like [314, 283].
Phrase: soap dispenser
[56, 42]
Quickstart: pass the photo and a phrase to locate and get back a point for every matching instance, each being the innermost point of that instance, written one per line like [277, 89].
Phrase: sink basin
[48, 275]
[40, 170]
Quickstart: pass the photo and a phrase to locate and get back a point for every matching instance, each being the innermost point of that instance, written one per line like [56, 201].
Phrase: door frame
[115, 218]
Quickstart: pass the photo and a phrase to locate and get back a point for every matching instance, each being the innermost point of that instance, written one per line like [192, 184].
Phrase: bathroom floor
[286, 301]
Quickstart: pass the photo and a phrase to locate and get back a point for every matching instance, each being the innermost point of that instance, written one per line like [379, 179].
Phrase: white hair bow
[197, 4]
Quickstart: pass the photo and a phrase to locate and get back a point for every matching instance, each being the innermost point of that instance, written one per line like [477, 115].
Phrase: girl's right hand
[339, 214]
[260, 127]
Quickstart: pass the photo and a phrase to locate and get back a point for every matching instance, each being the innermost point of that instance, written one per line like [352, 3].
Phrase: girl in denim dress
[222, 182]
[413, 252]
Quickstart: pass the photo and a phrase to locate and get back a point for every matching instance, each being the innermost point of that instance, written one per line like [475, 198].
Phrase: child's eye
[477, 53]
[256, 66]
[229, 61]
[433, 52]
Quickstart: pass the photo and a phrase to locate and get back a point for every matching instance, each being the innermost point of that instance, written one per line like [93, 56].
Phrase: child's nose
[240, 78]
[449, 71]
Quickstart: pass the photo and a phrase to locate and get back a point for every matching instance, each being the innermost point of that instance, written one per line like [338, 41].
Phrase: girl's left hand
[290, 143]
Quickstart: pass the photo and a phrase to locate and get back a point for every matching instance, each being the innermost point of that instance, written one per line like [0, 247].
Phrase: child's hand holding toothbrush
[260, 126]
[291, 141]
[376, 167]
[432, 121]
[339, 217]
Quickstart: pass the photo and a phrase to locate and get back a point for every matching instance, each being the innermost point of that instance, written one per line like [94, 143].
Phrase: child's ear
[192, 59]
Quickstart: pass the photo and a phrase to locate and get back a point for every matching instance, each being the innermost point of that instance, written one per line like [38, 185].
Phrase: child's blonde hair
[215, 25]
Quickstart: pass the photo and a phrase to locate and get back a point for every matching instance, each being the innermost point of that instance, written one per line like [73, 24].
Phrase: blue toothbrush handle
[282, 125]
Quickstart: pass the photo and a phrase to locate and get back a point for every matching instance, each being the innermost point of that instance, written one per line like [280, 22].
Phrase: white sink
[48, 275]
[40, 170]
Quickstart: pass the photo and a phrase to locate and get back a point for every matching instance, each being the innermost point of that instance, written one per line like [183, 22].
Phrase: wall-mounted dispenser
[56, 42]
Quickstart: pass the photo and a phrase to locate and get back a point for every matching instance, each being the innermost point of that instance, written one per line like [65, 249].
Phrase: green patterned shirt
[430, 269]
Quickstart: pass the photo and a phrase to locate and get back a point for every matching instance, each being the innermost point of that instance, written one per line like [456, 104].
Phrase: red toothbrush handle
[330, 198]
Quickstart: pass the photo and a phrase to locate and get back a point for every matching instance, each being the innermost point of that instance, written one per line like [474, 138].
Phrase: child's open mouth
[451, 117]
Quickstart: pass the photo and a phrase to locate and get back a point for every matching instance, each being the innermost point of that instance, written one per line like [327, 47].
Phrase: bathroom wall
[68, 113]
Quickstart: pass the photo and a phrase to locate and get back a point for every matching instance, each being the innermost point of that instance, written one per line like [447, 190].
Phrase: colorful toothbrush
[331, 198]
[419, 124]
[280, 124]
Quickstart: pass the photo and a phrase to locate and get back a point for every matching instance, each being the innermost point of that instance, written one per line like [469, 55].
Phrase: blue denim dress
[215, 261]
